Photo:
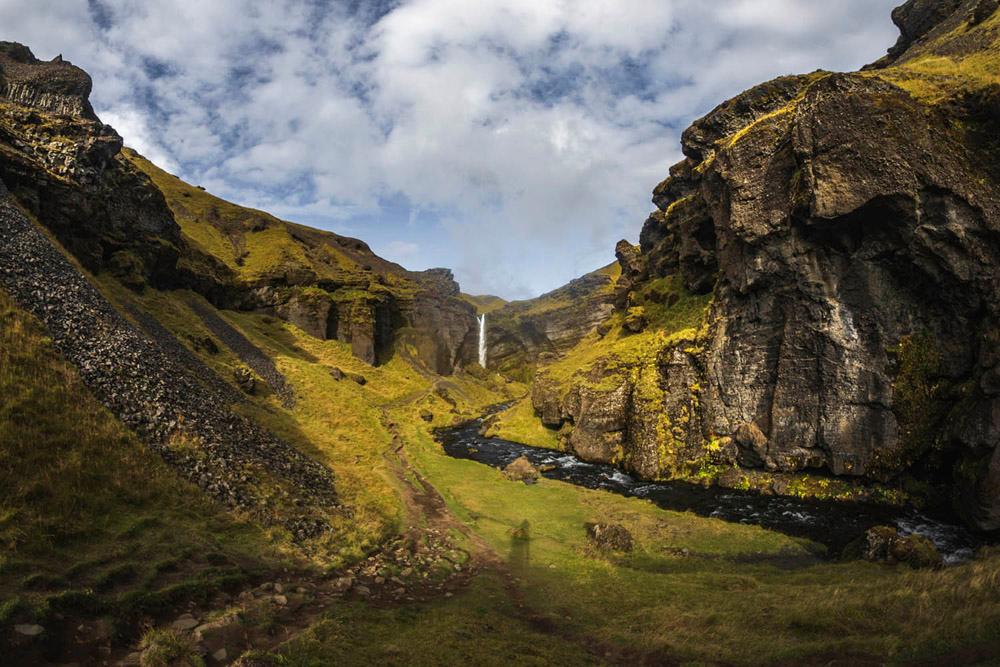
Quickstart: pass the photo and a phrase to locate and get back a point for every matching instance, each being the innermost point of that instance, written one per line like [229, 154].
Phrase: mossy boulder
[609, 536]
[885, 544]
[522, 470]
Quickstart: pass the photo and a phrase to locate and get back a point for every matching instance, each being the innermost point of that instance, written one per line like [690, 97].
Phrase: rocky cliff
[118, 213]
[818, 289]
[522, 333]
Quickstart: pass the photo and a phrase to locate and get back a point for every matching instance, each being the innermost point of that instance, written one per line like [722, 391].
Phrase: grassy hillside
[485, 303]
[91, 521]
[255, 245]
[958, 59]
[694, 591]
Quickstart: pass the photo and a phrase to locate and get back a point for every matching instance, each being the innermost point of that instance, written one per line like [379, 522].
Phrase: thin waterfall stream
[482, 340]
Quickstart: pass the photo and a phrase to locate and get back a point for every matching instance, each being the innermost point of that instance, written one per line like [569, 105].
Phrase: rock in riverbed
[522, 470]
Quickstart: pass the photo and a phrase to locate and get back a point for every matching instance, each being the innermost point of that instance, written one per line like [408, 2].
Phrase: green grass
[518, 423]
[337, 422]
[741, 595]
[251, 243]
[484, 303]
[89, 515]
[479, 626]
[937, 73]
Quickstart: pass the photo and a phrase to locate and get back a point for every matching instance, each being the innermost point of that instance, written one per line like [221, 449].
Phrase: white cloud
[527, 133]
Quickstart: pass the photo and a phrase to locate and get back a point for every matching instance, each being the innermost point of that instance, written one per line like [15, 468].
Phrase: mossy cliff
[119, 213]
[818, 287]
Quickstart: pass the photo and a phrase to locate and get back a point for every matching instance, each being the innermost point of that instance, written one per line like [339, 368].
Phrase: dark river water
[833, 524]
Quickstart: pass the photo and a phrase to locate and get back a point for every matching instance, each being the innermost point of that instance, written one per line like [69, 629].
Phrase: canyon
[227, 438]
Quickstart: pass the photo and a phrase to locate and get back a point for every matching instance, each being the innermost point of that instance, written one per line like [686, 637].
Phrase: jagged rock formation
[521, 333]
[63, 165]
[116, 212]
[847, 228]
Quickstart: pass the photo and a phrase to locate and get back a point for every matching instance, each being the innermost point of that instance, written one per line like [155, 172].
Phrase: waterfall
[482, 340]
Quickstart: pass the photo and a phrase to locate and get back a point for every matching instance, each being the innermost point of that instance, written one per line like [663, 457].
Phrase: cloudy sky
[514, 141]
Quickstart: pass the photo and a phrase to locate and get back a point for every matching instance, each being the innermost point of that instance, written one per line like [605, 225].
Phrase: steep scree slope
[186, 420]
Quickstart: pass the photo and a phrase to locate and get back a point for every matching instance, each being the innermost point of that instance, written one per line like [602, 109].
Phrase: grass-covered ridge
[959, 60]
[256, 246]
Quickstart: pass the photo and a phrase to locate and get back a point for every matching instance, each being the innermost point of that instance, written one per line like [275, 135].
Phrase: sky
[512, 141]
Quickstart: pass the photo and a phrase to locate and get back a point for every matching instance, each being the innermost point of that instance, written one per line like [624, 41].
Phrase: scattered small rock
[427, 415]
[29, 629]
[245, 379]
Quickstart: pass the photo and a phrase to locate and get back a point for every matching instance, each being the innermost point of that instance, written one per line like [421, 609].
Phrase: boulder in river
[884, 544]
[521, 470]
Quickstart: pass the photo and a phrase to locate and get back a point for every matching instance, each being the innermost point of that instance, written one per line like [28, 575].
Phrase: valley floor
[435, 561]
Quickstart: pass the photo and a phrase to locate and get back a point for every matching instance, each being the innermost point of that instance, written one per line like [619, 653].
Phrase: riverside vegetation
[218, 429]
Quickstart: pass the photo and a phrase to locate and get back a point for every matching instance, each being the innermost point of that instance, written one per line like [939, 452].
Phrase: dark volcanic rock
[609, 536]
[65, 167]
[56, 86]
[849, 233]
[69, 170]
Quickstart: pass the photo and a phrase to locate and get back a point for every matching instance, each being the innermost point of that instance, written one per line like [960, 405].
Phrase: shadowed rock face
[850, 234]
[69, 170]
[63, 165]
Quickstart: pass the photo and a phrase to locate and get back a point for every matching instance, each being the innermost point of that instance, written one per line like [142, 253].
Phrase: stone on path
[29, 629]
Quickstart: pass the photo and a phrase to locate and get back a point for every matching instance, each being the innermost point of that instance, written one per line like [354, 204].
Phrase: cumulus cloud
[514, 141]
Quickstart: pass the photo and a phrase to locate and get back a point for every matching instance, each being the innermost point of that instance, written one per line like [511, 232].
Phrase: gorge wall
[118, 213]
[522, 333]
[842, 232]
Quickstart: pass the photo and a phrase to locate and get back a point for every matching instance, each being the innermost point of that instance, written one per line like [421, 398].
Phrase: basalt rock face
[521, 333]
[63, 165]
[117, 213]
[56, 86]
[849, 232]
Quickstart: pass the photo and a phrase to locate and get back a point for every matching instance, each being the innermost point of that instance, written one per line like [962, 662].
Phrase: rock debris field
[186, 420]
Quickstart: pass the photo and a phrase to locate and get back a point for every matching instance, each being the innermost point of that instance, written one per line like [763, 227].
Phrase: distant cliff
[522, 333]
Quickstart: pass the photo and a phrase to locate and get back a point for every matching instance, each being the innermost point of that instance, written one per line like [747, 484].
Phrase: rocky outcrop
[521, 333]
[848, 231]
[62, 164]
[55, 86]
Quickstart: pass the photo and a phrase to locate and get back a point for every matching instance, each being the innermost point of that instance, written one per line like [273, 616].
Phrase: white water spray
[482, 340]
